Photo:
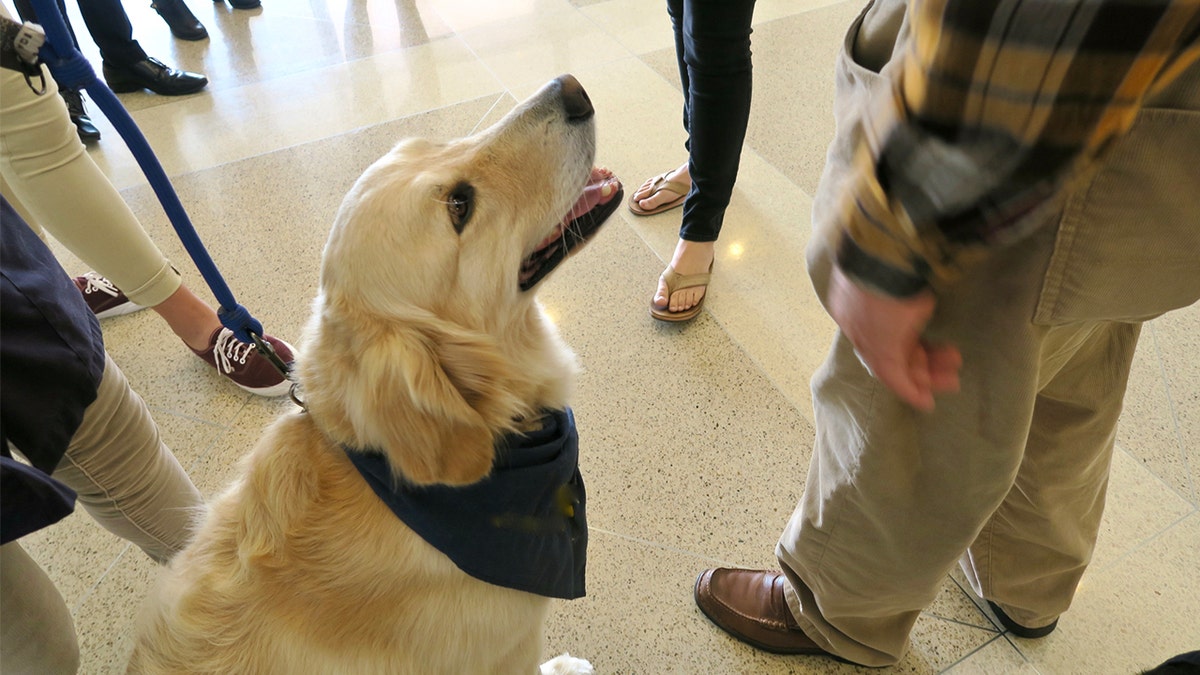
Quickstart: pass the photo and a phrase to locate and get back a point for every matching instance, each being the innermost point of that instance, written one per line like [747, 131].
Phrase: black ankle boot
[88, 133]
[184, 25]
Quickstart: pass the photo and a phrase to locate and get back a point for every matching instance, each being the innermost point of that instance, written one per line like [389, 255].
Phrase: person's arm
[996, 107]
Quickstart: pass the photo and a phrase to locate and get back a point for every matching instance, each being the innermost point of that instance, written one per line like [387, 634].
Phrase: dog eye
[460, 203]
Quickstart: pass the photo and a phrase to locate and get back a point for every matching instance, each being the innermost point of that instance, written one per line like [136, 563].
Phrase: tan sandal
[677, 282]
[657, 185]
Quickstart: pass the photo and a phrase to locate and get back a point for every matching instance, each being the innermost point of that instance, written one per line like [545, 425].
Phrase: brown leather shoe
[749, 605]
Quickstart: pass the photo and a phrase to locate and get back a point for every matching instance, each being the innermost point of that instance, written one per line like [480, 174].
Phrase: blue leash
[72, 71]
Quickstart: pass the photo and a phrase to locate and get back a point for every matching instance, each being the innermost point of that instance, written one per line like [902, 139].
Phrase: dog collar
[522, 527]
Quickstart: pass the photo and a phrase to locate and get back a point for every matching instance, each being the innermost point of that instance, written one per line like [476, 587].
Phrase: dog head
[426, 340]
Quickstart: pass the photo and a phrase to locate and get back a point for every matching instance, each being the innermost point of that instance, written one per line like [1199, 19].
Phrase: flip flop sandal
[678, 282]
[657, 185]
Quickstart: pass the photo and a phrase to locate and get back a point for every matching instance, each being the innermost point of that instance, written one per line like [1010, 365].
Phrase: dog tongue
[601, 187]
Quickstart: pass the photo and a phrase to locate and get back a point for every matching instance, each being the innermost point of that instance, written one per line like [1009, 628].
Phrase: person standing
[69, 412]
[126, 67]
[40, 160]
[1010, 194]
[712, 47]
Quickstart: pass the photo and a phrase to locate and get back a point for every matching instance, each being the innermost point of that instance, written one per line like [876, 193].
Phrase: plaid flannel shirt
[997, 108]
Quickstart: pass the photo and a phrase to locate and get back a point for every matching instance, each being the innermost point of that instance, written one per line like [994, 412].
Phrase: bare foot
[691, 257]
[648, 199]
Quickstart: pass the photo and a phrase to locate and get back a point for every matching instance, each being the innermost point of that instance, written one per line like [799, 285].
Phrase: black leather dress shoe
[152, 74]
[1019, 630]
[88, 133]
[244, 4]
[184, 25]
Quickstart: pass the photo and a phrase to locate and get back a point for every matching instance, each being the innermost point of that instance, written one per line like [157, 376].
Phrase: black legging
[107, 23]
[712, 45]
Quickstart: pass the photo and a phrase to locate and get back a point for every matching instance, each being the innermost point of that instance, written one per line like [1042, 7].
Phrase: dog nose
[575, 99]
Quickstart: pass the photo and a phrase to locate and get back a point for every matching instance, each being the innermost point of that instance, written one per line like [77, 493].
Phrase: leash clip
[268, 351]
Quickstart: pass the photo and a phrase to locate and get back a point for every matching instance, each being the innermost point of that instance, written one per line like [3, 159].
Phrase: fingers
[908, 378]
[944, 363]
[886, 334]
[916, 375]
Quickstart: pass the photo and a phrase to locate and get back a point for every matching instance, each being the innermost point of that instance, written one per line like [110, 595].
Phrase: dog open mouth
[600, 198]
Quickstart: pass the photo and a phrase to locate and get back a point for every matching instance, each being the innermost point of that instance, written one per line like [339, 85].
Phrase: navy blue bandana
[522, 527]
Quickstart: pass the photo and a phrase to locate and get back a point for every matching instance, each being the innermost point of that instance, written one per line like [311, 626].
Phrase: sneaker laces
[95, 282]
[228, 350]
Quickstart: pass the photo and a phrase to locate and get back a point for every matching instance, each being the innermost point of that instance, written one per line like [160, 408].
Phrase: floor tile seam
[665, 547]
[1007, 635]
[495, 104]
[966, 657]
[222, 431]
[959, 622]
[976, 602]
[1171, 408]
[225, 164]
[803, 411]
[1124, 448]
[614, 37]
[825, 4]
[156, 409]
[598, 65]
[99, 580]
[155, 102]
[1145, 543]
[203, 455]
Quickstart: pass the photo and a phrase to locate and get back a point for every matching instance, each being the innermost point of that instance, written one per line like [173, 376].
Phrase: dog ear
[431, 397]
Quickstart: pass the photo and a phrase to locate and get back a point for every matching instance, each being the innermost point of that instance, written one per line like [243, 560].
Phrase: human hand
[886, 334]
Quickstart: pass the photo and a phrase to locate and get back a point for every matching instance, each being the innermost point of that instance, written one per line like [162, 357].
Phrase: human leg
[716, 52]
[183, 24]
[87, 130]
[713, 48]
[125, 476]
[41, 157]
[1031, 554]
[668, 190]
[126, 65]
[37, 634]
[109, 26]
[894, 496]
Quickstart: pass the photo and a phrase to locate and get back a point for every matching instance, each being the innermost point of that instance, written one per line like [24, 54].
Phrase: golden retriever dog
[428, 355]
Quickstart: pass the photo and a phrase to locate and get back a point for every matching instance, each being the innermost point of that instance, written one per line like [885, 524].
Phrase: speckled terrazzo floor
[695, 439]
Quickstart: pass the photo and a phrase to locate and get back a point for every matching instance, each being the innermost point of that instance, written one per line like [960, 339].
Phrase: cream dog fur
[426, 342]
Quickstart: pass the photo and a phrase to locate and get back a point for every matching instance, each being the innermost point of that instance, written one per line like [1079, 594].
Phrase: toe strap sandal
[677, 282]
[657, 185]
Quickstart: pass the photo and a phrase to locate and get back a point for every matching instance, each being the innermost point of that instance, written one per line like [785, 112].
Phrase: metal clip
[268, 352]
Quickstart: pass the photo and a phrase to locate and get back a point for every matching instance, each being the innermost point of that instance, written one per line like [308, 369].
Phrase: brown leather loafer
[749, 605]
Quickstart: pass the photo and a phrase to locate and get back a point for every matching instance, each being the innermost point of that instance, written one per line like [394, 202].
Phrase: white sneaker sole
[119, 310]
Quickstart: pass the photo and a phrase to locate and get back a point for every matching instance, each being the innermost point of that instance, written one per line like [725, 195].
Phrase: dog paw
[565, 664]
